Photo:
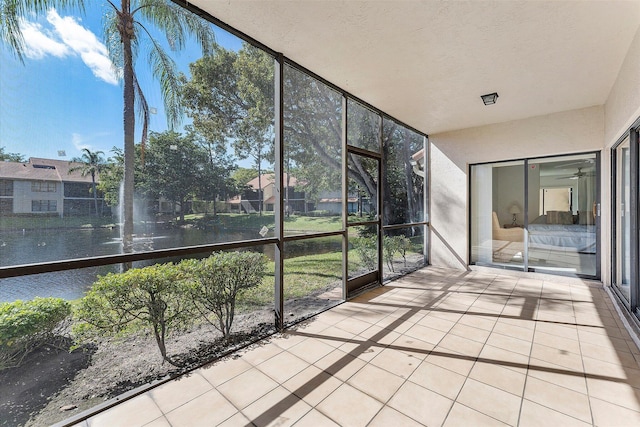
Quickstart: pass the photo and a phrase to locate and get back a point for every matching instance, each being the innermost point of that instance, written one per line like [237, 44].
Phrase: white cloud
[68, 37]
[78, 142]
[39, 44]
[81, 141]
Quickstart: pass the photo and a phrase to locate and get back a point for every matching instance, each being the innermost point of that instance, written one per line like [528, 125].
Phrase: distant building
[45, 186]
[249, 200]
[296, 201]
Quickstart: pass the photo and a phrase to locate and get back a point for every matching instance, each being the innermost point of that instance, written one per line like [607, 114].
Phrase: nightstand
[512, 226]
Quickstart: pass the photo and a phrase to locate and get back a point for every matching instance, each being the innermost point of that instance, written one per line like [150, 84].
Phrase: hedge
[25, 325]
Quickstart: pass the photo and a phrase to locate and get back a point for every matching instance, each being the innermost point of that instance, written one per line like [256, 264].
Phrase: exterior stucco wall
[623, 104]
[452, 152]
[621, 110]
[23, 196]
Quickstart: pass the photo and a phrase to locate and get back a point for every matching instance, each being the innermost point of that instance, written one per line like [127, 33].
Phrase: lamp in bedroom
[514, 210]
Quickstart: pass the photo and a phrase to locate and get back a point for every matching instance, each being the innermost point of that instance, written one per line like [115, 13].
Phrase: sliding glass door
[537, 214]
[497, 221]
[625, 265]
[622, 219]
[563, 210]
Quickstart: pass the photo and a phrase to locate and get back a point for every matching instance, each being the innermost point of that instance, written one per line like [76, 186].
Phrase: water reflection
[34, 246]
[53, 245]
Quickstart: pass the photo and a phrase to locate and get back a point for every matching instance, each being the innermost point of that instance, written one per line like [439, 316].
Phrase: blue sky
[67, 96]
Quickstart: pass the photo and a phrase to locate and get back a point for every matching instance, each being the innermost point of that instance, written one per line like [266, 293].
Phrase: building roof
[269, 179]
[38, 169]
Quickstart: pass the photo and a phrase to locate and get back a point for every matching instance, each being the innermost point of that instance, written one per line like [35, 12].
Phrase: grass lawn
[303, 275]
[230, 221]
[291, 224]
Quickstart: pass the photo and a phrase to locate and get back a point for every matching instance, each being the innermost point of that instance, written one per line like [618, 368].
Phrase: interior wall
[452, 152]
[509, 190]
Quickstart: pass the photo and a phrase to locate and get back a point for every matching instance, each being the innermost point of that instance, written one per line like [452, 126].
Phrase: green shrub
[403, 245]
[395, 244]
[389, 248]
[367, 249]
[319, 213]
[25, 325]
[154, 297]
[217, 281]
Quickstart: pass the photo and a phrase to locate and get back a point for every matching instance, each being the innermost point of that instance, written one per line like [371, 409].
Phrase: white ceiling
[427, 62]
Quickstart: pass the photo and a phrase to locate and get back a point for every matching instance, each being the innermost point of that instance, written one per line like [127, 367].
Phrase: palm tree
[124, 32]
[90, 163]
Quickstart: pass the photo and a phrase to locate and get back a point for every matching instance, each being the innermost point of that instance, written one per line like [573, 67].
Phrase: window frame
[633, 303]
[44, 187]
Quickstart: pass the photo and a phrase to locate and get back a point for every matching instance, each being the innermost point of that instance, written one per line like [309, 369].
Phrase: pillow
[559, 217]
[542, 219]
[586, 218]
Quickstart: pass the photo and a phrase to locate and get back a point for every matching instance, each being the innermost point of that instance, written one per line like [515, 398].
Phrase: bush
[152, 297]
[25, 325]
[319, 213]
[217, 281]
[395, 244]
[389, 248]
[367, 249]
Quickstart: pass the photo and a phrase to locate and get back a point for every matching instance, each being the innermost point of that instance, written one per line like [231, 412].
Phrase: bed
[563, 230]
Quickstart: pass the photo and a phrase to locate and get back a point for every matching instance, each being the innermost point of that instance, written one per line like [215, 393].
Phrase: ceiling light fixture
[489, 98]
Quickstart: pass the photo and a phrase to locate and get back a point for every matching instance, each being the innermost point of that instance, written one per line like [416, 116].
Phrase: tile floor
[437, 347]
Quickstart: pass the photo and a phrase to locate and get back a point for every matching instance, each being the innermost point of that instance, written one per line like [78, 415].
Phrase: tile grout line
[455, 400]
[584, 370]
[535, 327]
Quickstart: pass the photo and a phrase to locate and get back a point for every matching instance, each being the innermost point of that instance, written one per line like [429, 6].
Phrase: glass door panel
[622, 279]
[363, 219]
[362, 188]
[497, 214]
[562, 218]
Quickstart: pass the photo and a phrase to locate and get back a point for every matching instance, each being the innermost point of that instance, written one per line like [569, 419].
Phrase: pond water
[32, 246]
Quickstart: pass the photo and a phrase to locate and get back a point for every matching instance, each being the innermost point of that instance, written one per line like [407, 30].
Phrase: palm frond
[12, 12]
[112, 39]
[143, 112]
[166, 71]
[178, 24]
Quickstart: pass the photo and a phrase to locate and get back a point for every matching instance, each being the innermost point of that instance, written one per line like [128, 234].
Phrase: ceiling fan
[576, 175]
[582, 163]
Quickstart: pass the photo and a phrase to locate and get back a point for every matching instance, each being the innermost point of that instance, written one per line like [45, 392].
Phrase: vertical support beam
[634, 152]
[380, 207]
[279, 203]
[525, 243]
[345, 202]
[426, 201]
[599, 217]
[613, 214]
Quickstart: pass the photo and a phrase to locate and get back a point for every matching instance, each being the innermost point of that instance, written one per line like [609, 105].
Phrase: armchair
[506, 234]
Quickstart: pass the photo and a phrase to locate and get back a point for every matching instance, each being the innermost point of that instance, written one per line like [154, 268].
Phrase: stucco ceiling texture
[427, 62]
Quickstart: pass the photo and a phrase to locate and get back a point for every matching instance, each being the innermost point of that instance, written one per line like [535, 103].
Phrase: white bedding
[580, 238]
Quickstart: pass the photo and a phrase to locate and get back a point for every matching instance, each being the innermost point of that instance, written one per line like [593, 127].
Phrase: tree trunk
[182, 209]
[95, 194]
[408, 173]
[259, 188]
[126, 21]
